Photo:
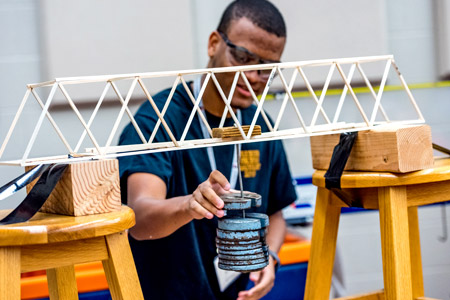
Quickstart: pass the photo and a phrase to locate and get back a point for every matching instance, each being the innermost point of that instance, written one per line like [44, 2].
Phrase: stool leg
[323, 247]
[393, 209]
[10, 273]
[62, 283]
[120, 271]
[416, 256]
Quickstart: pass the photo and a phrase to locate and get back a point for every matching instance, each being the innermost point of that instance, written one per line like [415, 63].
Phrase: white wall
[44, 39]
[20, 63]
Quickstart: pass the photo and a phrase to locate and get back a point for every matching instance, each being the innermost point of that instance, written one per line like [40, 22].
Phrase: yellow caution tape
[362, 90]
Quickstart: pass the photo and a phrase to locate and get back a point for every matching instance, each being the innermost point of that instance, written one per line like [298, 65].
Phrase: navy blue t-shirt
[180, 266]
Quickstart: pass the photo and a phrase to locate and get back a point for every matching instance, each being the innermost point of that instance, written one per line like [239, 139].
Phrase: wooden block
[387, 148]
[86, 188]
[230, 132]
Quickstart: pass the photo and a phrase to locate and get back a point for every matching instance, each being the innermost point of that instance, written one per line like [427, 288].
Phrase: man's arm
[158, 217]
[276, 232]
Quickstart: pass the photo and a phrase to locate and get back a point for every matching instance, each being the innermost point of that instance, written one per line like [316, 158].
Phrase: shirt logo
[250, 163]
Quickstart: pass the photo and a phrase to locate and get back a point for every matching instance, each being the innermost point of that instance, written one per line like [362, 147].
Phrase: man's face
[244, 34]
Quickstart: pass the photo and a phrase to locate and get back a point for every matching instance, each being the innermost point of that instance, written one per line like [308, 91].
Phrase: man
[175, 195]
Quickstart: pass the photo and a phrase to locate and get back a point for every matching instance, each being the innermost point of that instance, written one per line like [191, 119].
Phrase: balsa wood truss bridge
[371, 116]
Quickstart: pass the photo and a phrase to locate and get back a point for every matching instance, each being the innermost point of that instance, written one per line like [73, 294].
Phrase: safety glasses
[242, 56]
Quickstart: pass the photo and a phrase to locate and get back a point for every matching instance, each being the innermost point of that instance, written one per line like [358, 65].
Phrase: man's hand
[205, 202]
[263, 280]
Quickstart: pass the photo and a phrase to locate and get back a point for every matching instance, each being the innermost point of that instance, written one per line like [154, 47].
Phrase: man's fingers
[210, 195]
[198, 211]
[255, 276]
[219, 178]
[263, 284]
[207, 200]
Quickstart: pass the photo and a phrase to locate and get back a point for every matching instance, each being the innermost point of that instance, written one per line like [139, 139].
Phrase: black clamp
[339, 159]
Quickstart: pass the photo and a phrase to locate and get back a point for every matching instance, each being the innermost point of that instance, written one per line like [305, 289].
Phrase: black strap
[20, 182]
[37, 196]
[338, 160]
[441, 149]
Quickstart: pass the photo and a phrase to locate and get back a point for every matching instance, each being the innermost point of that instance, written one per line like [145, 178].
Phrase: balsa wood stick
[39, 122]
[158, 113]
[230, 97]
[121, 112]
[319, 106]
[380, 92]
[255, 100]
[310, 89]
[261, 102]
[289, 94]
[52, 121]
[194, 101]
[285, 99]
[286, 65]
[405, 86]
[130, 115]
[344, 94]
[361, 110]
[94, 113]
[14, 122]
[224, 99]
[163, 112]
[369, 85]
[77, 113]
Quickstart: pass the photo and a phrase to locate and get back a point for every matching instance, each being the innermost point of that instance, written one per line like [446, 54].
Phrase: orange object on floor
[294, 250]
[90, 278]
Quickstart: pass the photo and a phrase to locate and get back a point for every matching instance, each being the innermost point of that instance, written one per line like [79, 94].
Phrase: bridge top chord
[371, 115]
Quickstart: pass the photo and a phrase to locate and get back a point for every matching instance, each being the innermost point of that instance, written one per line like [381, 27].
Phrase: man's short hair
[262, 13]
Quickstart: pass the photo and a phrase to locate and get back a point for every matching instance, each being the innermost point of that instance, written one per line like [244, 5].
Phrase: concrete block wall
[405, 29]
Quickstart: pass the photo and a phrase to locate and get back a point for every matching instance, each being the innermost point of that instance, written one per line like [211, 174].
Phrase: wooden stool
[397, 197]
[56, 242]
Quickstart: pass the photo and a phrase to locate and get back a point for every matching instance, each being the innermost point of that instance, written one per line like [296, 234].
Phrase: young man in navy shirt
[175, 195]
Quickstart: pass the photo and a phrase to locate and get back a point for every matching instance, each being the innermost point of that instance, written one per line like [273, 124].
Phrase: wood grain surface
[233, 132]
[46, 228]
[377, 295]
[356, 179]
[62, 284]
[323, 247]
[122, 278]
[387, 148]
[86, 188]
[9, 273]
[395, 242]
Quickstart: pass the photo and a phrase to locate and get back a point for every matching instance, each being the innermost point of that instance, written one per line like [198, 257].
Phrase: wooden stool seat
[397, 197]
[56, 242]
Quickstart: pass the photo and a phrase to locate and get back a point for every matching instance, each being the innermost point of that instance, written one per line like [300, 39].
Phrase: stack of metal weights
[241, 237]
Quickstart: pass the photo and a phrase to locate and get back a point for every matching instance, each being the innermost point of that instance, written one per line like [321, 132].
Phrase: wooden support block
[86, 188]
[387, 148]
[230, 132]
